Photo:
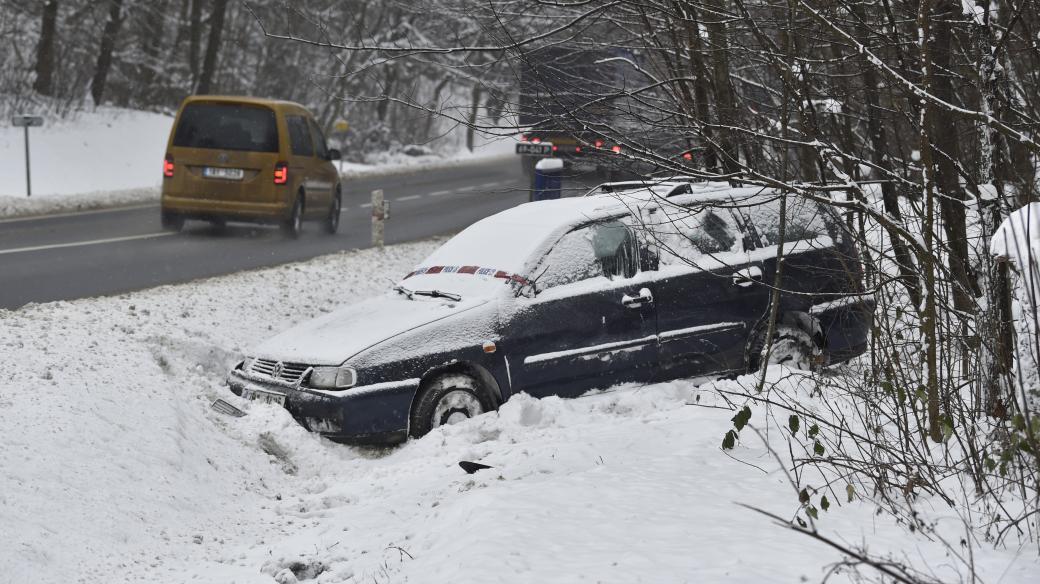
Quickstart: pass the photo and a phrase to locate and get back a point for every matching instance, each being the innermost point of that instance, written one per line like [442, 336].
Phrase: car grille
[278, 370]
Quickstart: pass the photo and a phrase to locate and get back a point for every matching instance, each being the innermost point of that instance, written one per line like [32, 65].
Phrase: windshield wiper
[438, 294]
[430, 293]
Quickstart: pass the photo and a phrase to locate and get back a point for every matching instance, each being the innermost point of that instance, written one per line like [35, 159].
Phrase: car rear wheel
[331, 224]
[448, 399]
[172, 221]
[792, 346]
[293, 224]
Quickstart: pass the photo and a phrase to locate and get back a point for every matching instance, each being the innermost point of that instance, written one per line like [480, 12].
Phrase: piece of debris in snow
[472, 467]
[226, 408]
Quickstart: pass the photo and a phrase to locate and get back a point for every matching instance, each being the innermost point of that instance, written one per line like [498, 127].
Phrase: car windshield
[227, 127]
[482, 258]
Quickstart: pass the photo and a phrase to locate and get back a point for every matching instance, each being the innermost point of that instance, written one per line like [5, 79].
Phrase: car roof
[243, 99]
[577, 210]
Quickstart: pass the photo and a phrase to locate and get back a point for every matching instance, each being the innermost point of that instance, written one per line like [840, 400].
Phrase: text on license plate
[224, 173]
[266, 397]
[543, 149]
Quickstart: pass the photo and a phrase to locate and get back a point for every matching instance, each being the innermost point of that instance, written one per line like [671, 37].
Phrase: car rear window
[806, 220]
[227, 127]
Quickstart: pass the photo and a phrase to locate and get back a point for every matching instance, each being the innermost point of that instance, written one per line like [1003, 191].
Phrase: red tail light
[577, 148]
[167, 167]
[536, 140]
[599, 143]
[281, 173]
[555, 148]
[688, 155]
[616, 149]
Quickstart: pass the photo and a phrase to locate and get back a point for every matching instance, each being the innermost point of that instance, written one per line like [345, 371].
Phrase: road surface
[104, 252]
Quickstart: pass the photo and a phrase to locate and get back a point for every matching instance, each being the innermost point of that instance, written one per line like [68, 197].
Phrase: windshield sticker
[475, 270]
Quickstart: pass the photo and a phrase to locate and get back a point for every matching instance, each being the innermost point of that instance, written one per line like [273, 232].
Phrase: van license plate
[223, 173]
[264, 397]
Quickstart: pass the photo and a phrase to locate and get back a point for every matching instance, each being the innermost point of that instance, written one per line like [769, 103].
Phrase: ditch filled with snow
[115, 469]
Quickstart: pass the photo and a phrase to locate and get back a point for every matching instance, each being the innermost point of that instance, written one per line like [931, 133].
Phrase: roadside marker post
[380, 214]
[27, 122]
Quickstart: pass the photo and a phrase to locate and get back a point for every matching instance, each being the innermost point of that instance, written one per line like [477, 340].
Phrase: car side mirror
[334, 154]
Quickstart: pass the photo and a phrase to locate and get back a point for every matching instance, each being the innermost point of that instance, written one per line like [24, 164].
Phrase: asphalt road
[97, 253]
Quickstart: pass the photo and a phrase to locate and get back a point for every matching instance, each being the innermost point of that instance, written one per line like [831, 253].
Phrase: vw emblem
[277, 371]
[223, 157]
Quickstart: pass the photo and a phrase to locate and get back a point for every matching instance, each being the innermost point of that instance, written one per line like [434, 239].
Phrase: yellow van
[248, 159]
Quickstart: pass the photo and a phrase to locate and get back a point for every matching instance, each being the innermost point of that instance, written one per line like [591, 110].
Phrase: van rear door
[227, 150]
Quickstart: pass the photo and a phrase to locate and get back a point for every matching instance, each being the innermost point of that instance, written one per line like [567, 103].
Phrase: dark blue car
[561, 297]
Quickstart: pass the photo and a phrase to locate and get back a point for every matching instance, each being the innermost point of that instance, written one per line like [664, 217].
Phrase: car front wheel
[448, 399]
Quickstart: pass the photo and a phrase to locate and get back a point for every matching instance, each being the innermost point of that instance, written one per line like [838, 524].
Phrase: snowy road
[93, 253]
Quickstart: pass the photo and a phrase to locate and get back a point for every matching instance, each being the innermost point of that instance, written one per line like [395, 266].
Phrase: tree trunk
[725, 105]
[108, 42]
[194, 41]
[153, 28]
[946, 154]
[474, 110]
[209, 63]
[45, 50]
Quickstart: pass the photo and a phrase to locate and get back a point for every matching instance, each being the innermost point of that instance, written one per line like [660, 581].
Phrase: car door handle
[747, 277]
[644, 297]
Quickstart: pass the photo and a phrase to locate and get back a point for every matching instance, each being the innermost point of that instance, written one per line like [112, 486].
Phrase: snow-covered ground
[116, 470]
[113, 157]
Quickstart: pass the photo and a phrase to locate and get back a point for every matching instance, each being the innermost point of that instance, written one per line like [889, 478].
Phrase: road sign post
[27, 122]
[380, 213]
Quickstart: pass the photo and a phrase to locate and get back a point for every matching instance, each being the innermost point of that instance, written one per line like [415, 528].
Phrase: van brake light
[167, 167]
[281, 173]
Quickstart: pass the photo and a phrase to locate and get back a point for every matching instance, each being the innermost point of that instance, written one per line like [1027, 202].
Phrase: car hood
[335, 337]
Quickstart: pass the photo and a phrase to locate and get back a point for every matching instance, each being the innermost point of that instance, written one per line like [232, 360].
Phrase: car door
[325, 174]
[709, 290]
[591, 323]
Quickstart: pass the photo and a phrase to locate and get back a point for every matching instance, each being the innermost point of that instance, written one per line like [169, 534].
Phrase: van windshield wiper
[430, 293]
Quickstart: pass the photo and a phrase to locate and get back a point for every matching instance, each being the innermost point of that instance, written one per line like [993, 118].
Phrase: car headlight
[333, 377]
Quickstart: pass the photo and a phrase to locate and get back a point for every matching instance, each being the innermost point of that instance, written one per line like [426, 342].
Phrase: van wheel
[448, 399]
[172, 221]
[293, 225]
[331, 224]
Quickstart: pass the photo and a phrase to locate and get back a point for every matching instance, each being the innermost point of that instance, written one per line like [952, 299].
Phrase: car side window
[606, 248]
[299, 136]
[684, 235]
[319, 139]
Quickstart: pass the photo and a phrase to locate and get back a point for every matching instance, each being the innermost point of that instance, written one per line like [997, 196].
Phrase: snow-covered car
[562, 297]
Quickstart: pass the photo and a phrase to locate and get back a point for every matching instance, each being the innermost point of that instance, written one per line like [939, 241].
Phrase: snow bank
[115, 469]
[110, 149]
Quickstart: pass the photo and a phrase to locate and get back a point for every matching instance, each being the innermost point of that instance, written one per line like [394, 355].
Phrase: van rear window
[227, 127]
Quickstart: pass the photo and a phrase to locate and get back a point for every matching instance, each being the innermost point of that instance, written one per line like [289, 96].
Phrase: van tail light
[687, 155]
[555, 148]
[616, 149]
[281, 173]
[599, 143]
[167, 167]
[577, 148]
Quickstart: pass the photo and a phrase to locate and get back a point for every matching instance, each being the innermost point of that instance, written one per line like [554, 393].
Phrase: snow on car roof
[507, 240]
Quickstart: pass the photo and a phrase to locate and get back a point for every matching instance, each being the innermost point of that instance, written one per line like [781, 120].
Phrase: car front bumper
[366, 415]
